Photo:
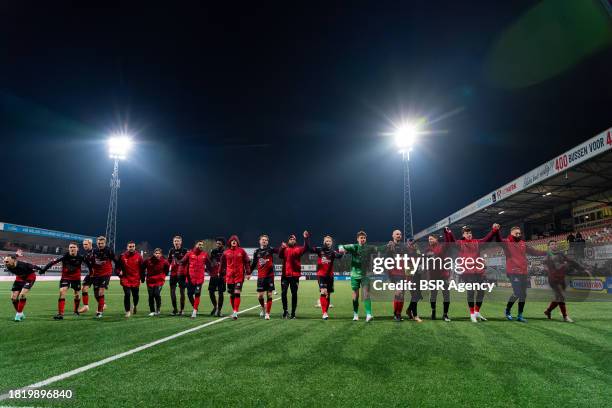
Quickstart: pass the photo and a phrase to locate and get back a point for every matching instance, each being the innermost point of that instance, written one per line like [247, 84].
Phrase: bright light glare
[119, 146]
[405, 136]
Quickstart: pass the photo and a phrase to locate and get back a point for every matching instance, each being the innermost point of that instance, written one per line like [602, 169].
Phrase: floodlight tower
[118, 148]
[405, 136]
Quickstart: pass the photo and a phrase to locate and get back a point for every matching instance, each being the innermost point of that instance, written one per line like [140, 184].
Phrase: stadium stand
[569, 193]
[38, 245]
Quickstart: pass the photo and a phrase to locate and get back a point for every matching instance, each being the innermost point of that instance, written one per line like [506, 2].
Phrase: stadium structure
[39, 245]
[571, 192]
[568, 196]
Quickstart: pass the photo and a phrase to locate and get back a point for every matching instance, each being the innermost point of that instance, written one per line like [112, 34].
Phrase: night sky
[265, 118]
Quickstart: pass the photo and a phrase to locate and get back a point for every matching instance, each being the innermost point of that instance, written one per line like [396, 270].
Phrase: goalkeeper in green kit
[359, 278]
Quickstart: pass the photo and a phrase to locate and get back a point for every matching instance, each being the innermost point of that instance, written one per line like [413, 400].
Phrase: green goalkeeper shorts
[356, 283]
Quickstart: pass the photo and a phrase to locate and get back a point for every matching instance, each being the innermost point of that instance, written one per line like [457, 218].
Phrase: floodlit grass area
[308, 361]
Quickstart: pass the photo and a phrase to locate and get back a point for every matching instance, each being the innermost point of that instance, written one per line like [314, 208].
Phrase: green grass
[310, 362]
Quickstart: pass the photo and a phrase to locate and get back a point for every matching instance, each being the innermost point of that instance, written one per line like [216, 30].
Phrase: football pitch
[307, 361]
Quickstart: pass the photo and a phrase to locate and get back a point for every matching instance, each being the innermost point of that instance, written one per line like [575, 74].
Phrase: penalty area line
[110, 359]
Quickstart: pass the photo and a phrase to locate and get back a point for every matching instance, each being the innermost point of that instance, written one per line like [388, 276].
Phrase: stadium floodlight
[405, 136]
[119, 146]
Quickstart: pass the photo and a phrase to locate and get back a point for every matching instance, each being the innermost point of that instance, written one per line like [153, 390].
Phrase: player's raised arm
[254, 261]
[281, 250]
[53, 262]
[491, 235]
[535, 252]
[448, 235]
[306, 245]
[347, 248]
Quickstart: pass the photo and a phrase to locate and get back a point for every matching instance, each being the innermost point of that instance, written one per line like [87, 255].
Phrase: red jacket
[131, 266]
[235, 263]
[438, 253]
[198, 262]
[516, 255]
[292, 259]
[557, 265]
[156, 271]
[470, 249]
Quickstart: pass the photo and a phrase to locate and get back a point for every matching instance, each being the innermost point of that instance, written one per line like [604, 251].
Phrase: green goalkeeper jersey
[358, 254]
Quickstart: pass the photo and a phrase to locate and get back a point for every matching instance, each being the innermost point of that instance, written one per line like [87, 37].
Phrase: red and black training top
[215, 262]
[558, 265]
[71, 266]
[263, 260]
[24, 271]
[102, 262]
[174, 258]
[325, 260]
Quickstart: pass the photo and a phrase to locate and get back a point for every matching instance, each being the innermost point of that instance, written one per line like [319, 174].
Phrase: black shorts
[180, 280]
[70, 283]
[87, 280]
[100, 282]
[18, 285]
[265, 284]
[231, 287]
[326, 282]
[217, 284]
[194, 289]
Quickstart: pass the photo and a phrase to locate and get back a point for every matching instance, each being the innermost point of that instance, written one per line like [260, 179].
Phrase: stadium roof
[41, 232]
[580, 174]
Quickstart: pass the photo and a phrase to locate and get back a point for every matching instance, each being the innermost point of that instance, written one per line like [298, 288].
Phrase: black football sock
[284, 299]
[183, 300]
[135, 296]
[126, 299]
[220, 303]
[173, 298]
[213, 298]
[158, 301]
[151, 300]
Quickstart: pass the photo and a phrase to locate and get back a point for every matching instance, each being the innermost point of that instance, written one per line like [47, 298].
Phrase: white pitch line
[110, 359]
